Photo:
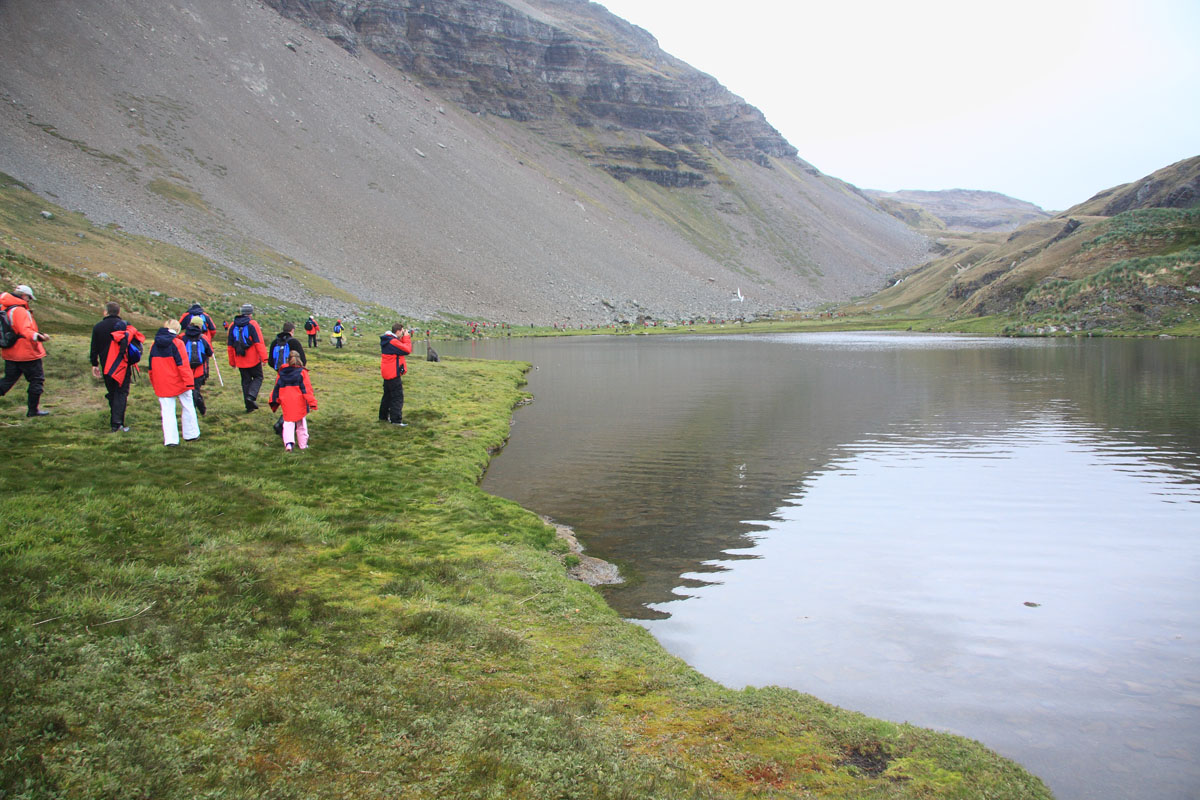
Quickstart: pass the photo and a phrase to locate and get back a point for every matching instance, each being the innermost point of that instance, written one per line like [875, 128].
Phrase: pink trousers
[296, 433]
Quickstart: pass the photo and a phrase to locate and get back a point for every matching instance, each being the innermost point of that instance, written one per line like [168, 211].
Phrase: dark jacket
[102, 337]
[293, 347]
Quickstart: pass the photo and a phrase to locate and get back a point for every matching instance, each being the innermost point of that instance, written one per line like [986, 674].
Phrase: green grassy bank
[360, 620]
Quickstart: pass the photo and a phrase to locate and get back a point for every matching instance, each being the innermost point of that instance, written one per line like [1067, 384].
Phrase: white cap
[23, 289]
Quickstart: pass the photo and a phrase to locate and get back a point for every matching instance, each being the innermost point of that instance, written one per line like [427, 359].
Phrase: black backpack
[242, 337]
[8, 334]
[195, 351]
[278, 357]
[308, 325]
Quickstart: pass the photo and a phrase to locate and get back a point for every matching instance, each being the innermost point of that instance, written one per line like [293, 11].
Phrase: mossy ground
[359, 620]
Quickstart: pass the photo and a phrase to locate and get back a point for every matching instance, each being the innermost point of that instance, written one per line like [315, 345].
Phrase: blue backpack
[133, 350]
[242, 336]
[278, 357]
[195, 351]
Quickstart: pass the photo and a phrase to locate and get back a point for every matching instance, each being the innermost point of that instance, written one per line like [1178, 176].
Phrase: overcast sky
[1048, 101]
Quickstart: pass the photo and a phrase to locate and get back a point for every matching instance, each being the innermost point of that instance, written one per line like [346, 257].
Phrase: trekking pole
[218, 366]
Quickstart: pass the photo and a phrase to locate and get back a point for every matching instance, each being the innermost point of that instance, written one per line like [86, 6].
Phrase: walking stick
[218, 366]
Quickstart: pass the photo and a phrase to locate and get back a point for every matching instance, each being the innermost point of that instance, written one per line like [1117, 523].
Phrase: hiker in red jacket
[312, 329]
[393, 347]
[25, 355]
[171, 377]
[294, 394]
[207, 327]
[247, 352]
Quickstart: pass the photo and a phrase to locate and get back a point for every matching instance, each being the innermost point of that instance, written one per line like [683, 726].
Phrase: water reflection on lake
[995, 537]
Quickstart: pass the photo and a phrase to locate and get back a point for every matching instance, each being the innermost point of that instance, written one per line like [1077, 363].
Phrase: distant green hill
[958, 210]
[1127, 260]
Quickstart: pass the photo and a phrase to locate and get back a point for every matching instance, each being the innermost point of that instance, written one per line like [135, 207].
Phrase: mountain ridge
[1128, 259]
[958, 209]
[226, 128]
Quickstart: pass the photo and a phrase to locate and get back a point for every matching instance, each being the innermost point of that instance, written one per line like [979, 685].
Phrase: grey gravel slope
[220, 126]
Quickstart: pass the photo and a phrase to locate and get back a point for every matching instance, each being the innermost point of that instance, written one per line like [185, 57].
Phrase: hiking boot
[37, 413]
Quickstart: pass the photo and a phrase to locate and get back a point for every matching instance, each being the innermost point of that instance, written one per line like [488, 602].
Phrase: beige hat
[172, 325]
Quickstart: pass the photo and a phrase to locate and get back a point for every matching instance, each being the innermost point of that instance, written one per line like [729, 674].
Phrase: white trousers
[191, 425]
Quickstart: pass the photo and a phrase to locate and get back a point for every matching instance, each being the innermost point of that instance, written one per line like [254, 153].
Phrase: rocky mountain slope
[1128, 258]
[526, 160]
[958, 210]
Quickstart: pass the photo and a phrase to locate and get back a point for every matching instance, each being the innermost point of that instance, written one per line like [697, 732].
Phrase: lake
[994, 537]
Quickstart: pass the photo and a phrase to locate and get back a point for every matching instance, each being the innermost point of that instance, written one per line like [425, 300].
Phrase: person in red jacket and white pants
[171, 377]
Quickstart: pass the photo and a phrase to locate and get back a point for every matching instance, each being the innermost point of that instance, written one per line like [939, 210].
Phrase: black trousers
[312, 340]
[197, 398]
[33, 372]
[391, 405]
[252, 379]
[118, 398]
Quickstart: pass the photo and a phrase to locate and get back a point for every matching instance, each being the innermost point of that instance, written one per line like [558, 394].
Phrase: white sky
[1048, 101]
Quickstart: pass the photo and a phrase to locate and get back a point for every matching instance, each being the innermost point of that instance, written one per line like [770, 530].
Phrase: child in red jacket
[294, 394]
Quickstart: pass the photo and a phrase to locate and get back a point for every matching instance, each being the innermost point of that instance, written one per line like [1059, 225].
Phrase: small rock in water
[1032, 605]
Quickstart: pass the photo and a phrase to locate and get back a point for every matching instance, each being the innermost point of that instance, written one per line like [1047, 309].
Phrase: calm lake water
[994, 537]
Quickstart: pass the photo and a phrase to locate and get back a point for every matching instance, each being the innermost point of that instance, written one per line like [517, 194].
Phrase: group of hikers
[178, 361]
[339, 332]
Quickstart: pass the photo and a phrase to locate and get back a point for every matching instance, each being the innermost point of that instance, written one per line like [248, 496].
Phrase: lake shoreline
[386, 627]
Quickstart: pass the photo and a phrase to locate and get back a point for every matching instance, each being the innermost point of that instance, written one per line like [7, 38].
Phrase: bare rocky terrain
[231, 130]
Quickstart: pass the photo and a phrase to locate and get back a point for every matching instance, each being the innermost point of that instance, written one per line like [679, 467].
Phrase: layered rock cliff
[559, 61]
[517, 160]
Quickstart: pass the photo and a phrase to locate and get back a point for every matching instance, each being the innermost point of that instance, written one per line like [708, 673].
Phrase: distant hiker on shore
[338, 334]
[247, 352]
[117, 390]
[172, 379]
[293, 393]
[394, 345]
[199, 351]
[312, 329]
[209, 328]
[282, 346]
[21, 347]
